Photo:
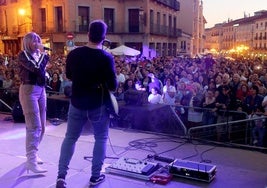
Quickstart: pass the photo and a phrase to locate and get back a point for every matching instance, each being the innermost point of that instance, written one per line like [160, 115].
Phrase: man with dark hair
[92, 73]
[253, 101]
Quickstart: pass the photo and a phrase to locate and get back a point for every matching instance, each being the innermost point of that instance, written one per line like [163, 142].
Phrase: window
[83, 17]
[170, 25]
[133, 20]
[164, 21]
[183, 45]
[158, 22]
[43, 20]
[109, 18]
[59, 19]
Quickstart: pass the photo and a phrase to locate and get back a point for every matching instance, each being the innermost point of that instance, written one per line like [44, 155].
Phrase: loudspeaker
[151, 117]
[135, 97]
[17, 113]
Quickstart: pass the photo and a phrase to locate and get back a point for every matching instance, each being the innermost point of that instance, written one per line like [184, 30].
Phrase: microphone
[46, 48]
[42, 47]
[106, 42]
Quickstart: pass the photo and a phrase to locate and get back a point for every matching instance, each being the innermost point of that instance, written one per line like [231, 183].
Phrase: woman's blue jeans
[76, 120]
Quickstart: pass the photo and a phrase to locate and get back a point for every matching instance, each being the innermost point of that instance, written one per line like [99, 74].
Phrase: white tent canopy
[124, 50]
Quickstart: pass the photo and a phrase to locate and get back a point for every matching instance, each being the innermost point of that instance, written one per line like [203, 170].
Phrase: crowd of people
[202, 90]
[215, 84]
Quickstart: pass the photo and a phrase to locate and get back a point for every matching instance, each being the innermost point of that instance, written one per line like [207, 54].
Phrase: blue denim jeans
[76, 120]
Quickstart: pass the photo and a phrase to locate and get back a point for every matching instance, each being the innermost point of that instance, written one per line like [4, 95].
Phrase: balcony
[173, 4]
[165, 31]
[125, 28]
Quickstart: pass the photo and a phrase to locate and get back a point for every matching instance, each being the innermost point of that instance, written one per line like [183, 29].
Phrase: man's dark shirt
[93, 75]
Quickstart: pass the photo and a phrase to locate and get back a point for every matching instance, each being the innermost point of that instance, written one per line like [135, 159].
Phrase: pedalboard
[151, 171]
[134, 168]
[193, 170]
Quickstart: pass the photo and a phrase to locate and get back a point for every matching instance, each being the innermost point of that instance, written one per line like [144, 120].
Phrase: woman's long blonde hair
[28, 39]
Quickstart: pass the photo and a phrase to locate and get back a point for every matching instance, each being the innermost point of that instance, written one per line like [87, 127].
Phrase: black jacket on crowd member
[231, 102]
[223, 101]
[253, 102]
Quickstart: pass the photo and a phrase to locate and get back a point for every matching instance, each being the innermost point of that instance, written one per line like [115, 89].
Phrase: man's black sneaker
[97, 180]
[61, 183]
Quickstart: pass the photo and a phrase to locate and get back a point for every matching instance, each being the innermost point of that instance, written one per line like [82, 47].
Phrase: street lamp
[22, 12]
[24, 21]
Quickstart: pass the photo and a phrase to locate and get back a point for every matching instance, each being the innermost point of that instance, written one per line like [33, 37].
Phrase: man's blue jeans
[76, 120]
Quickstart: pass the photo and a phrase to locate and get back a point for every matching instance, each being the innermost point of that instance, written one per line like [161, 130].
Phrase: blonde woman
[32, 96]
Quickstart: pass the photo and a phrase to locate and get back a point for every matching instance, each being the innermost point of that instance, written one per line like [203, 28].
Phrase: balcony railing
[165, 30]
[174, 4]
[123, 27]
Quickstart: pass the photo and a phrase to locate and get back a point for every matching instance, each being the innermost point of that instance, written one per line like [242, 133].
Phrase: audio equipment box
[193, 170]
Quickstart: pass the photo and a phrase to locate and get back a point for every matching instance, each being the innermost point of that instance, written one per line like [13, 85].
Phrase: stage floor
[235, 167]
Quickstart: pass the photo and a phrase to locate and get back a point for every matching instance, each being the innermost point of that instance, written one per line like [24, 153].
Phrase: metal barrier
[231, 127]
[8, 97]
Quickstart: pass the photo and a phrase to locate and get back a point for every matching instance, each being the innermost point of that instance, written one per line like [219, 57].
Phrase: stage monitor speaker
[151, 117]
[17, 113]
[135, 97]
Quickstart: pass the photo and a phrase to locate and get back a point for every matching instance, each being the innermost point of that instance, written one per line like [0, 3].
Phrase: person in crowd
[65, 83]
[183, 77]
[242, 92]
[263, 79]
[154, 82]
[235, 85]
[155, 96]
[55, 83]
[222, 102]
[252, 79]
[253, 100]
[119, 94]
[8, 81]
[195, 113]
[218, 80]
[209, 116]
[262, 88]
[211, 85]
[169, 92]
[32, 97]
[129, 85]
[119, 75]
[180, 92]
[90, 100]
[259, 127]
[145, 79]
